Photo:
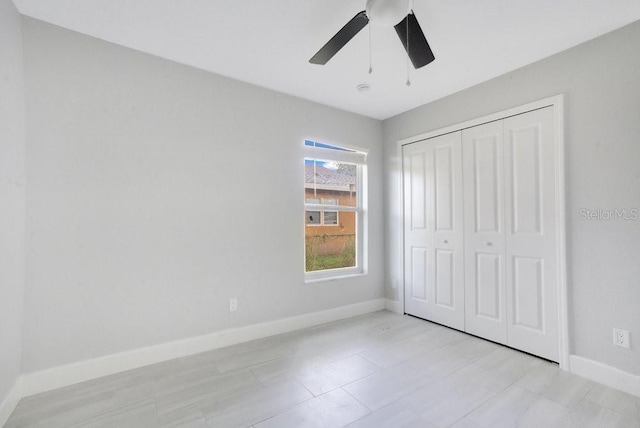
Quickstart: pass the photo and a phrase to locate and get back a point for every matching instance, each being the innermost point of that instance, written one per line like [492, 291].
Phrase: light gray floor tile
[407, 371]
[408, 328]
[468, 423]
[94, 397]
[194, 397]
[251, 358]
[395, 353]
[335, 344]
[505, 409]
[289, 366]
[138, 416]
[556, 385]
[187, 375]
[618, 401]
[257, 405]
[228, 351]
[68, 413]
[336, 374]
[333, 409]
[385, 387]
[497, 370]
[395, 415]
[542, 413]
[448, 359]
[539, 378]
[587, 414]
[567, 389]
[443, 402]
[190, 421]
[438, 336]
[198, 423]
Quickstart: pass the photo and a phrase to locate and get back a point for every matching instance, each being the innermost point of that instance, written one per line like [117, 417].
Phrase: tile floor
[376, 370]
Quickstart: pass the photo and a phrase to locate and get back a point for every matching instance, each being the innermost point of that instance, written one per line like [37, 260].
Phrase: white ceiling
[269, 42]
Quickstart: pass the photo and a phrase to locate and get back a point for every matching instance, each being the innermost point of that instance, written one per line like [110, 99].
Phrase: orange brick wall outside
[331, 239]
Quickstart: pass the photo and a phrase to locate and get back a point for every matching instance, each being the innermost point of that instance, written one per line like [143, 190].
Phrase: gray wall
[12, 195]
[157, 192]
[601, 81]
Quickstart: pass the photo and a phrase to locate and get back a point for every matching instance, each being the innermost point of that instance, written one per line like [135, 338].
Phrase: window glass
[333, 209]
[330, 218]
[314, 218]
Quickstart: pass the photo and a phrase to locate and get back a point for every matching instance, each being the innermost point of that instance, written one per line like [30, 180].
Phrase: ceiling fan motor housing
[387, 12]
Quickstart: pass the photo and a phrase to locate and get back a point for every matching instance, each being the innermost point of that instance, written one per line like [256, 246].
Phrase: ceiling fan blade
[341, 38]
[418, 49]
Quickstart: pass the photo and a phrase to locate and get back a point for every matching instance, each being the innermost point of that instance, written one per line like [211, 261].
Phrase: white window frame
[357, 157]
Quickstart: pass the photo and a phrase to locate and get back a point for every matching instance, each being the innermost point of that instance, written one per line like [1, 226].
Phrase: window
[323, 218]
[314, 217]
[334, 211]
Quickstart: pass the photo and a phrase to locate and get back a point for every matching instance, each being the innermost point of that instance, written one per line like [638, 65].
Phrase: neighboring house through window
[334, 210]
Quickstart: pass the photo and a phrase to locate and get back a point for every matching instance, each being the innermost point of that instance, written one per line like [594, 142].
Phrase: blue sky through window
[328, 165]
[324, 146]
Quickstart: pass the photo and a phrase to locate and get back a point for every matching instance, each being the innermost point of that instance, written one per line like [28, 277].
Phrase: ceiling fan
[396, 13]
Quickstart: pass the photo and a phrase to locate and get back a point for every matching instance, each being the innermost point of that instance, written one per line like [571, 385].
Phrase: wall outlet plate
[233, 304]
[621, 338]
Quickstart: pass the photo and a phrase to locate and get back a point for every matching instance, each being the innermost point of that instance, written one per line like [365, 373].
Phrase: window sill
[336, 277]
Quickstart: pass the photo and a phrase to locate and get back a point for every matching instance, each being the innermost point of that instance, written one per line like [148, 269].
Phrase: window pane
[331, 248]
[330, 218]
[313, 217]
[330, 182]
[325, 146]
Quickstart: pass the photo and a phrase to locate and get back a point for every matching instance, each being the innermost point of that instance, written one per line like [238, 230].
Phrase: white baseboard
[10, 402]
[58, 377]
[605, 374]
[394, 306]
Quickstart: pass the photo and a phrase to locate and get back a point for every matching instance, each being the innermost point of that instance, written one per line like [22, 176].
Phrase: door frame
[557, 102]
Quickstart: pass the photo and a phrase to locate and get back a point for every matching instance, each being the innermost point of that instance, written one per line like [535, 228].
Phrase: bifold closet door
[433, 230]
[484, 240]
[510, 232]
[531, 227]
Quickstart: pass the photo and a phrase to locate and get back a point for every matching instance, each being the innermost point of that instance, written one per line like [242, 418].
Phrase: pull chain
[370, 56]
[408, 69]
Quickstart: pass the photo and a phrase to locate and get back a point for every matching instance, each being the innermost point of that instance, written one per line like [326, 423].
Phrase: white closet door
[484, 241]
[530, 214]
[434, 271]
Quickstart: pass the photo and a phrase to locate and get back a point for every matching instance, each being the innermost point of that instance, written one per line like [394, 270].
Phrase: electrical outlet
[394, 283]
[233, 304]
[621, 338]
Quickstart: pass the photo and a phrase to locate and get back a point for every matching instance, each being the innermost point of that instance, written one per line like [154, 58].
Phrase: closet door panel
[484, 241]
[444, 191]
[434, 270]
[418, 269]
[417, 162]
[487, 284]
[486, 164]
[530, 208]
[445, 276]
[528, 291]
